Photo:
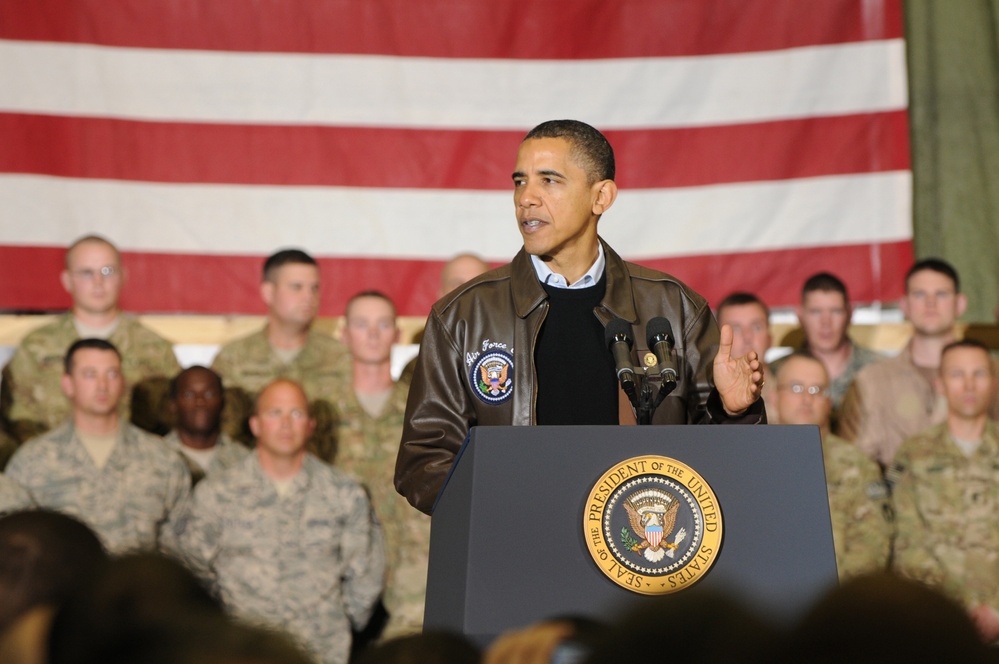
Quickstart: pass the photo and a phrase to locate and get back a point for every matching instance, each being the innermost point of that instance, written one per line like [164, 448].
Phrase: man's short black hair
[824, 281]
[934, 265]
[740, 298]
[80, 344]
[589, 147]
[286, 257]
[194, 367]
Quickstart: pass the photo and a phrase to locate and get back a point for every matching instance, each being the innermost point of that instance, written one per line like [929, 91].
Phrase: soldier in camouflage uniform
[286, 348]
[32, 401]
[858, 498]
[288, 540]
[115, 477]
[946, 491]
[196, 404]
[371, 408]
[825, 314]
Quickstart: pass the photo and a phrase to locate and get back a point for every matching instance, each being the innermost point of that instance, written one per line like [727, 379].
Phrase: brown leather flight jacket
[476, 362]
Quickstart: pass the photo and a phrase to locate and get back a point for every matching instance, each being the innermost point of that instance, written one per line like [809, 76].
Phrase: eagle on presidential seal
[494, 377]
[652, 513]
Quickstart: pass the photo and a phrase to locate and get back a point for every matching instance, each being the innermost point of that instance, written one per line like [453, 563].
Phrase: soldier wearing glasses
[858, 500]
[32, 400]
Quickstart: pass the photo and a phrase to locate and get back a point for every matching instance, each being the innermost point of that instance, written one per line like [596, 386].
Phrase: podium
[508, 546]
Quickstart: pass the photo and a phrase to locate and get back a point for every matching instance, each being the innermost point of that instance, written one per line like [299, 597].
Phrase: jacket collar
[619, 301]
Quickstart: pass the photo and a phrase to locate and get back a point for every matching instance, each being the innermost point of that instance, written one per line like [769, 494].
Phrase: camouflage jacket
[859, 508]
[32, 398]
[12, 496]
[947, 514]
[227, 453]
[311, 562]
[126, 502]
[248, 364]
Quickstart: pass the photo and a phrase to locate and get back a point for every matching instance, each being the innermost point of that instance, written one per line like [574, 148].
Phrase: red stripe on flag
[438, 159]
[211, 284]
[557, 29]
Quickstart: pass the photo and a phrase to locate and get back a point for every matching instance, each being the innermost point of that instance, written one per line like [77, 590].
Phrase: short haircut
[967, 343]
[590, 148]
[92, 237]
[934, 265]
[286, 257]
[44, 557]
[740, 298]
[369, 293]
[80, 344]
[176, 379]
[824, 281]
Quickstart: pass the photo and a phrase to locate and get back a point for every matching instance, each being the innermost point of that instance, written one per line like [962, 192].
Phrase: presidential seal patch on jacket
[652, 525]
[492, 377]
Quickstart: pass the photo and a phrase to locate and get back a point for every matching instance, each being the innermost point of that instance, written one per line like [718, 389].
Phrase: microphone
[659, 335]
[617, 336]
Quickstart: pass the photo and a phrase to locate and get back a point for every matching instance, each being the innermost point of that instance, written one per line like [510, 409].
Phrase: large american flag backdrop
[758, 141]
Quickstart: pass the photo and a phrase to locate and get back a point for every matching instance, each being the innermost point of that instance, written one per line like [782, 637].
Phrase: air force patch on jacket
[652, 525]
[492, 377]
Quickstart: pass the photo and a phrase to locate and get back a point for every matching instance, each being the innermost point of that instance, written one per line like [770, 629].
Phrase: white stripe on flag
[175, 85]
[393, 223]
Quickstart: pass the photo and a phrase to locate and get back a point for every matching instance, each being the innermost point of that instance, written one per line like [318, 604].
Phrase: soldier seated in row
[858, 498]
[825, 314]
[371, 407]
[946, 491]
[118, 479]
[32, 401]
[196, 400]
[287, 347]
[288, 540]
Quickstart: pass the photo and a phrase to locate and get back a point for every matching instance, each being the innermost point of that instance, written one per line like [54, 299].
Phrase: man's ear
[962, 304]
[254, 425]
[605, 195]
[267, 292]
[66, 280]
[66, 383]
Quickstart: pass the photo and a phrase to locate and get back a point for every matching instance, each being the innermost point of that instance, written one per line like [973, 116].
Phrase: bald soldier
[858, 498]
[288, 540]
[32, 399]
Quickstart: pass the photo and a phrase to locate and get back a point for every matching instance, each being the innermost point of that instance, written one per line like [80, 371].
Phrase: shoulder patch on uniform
[491, 377]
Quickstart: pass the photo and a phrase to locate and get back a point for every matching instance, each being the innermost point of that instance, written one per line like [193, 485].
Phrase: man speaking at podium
[525, 344]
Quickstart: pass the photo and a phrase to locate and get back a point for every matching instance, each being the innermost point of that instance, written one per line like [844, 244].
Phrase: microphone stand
[643, 402]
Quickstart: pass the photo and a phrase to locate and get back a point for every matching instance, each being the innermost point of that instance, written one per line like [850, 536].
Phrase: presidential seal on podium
[652, 525]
